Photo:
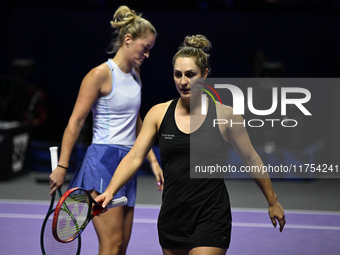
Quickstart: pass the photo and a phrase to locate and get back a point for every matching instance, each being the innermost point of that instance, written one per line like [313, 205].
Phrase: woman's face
[139, 49]
[186, 76]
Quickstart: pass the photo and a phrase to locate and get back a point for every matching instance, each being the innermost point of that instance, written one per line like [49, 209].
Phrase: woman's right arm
[91, 88]
[130, 164]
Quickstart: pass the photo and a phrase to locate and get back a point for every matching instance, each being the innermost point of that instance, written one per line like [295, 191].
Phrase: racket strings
[73, 215]
[52, 246]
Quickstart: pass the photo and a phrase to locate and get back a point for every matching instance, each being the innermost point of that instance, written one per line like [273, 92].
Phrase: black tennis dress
[194, 212]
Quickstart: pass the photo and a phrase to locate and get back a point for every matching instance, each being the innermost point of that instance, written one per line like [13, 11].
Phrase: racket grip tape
[54, 157]
[117, 202]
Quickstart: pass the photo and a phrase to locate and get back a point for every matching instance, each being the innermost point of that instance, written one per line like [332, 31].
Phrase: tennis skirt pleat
[97, 168]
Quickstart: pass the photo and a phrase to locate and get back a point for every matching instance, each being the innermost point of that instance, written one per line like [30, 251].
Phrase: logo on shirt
[168, 136]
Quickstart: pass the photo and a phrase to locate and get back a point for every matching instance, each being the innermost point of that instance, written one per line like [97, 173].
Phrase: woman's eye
[178, 75]
[190, 75]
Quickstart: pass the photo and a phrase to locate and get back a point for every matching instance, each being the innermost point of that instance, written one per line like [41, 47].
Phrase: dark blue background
[67, 42]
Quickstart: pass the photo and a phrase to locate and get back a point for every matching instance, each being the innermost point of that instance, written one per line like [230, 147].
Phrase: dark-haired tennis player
[195, 215]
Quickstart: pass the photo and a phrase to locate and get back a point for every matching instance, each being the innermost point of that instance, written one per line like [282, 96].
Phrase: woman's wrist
[64, 167]
[154, 161]
[272, 201]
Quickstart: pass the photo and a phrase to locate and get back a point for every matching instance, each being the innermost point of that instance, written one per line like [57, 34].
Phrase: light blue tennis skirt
[98, 166]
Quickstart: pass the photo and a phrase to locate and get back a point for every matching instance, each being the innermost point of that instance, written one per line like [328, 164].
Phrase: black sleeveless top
[194, 212]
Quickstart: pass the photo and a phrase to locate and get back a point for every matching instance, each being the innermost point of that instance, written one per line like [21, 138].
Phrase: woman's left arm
[237, 135]
[151, 158]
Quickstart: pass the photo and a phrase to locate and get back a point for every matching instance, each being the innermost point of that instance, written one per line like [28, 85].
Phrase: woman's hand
[276, 213]
[57, 178]
[104, 198]
[158, 172]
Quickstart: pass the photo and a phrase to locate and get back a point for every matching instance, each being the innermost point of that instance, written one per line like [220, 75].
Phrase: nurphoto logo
[239, 103]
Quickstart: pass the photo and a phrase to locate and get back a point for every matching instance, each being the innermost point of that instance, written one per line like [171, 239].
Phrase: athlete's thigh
[175, 251]
[207, 251]
[128, 221]
[109, 224]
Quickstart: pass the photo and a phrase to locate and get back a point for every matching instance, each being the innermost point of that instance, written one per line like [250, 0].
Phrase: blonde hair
[195, 46]
[126, 21]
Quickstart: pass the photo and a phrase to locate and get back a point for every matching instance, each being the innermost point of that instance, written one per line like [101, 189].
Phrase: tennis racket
[48, 244]
[75, 209]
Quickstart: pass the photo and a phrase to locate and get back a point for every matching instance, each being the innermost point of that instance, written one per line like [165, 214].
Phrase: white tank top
[115, 115]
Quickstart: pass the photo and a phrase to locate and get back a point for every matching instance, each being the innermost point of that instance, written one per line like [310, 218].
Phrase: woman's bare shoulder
[224, 111]
[160, 108]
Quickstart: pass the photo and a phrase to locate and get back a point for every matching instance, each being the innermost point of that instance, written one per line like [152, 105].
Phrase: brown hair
[126, 21]
[195, 46]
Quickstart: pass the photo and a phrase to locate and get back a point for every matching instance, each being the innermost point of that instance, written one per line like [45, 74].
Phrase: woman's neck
[191, 105]
[122, 62]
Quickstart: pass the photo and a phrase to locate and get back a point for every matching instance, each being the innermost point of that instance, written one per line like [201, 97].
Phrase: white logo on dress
[168, 136]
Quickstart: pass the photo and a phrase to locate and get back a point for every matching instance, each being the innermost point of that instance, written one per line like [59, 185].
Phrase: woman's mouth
[185, 90]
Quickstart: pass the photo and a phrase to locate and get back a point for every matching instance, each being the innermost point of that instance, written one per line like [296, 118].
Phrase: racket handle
[117, 202]
[54, 157]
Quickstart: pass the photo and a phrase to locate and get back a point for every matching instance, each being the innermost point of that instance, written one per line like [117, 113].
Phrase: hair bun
[126, 21]
[123, 16]
[197, 41]
[195, 46]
